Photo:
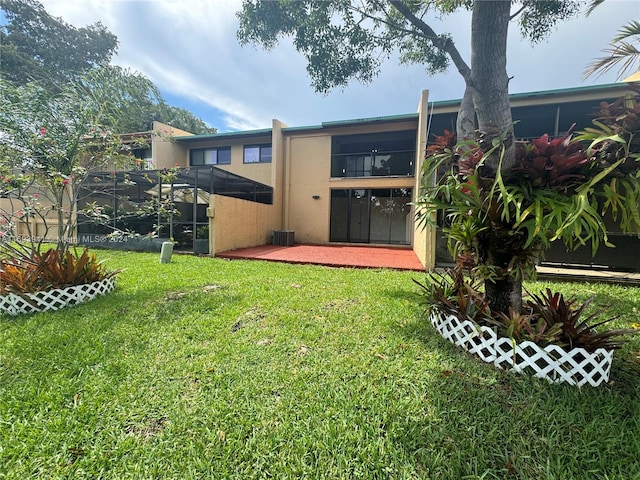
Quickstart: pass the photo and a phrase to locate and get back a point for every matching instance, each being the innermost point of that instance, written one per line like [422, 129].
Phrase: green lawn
[207, 368]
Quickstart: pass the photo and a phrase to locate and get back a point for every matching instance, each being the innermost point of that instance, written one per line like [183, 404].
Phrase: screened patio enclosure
[172, 203]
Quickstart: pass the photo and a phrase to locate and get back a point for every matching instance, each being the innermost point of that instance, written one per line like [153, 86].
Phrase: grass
[206, 368]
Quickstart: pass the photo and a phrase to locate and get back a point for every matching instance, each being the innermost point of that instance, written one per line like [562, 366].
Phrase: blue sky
[190, 51]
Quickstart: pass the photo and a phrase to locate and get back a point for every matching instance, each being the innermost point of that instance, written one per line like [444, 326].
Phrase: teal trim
[545, 93]
[221, 136]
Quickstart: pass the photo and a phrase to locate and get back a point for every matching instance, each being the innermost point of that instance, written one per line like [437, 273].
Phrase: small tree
[51, 144]
[34, 46]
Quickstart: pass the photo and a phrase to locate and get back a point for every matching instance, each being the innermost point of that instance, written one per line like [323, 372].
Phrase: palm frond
[593, 4]
[629, 30]
[625, 56]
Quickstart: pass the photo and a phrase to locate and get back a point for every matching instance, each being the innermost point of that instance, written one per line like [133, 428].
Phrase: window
[257, 154]
[144, 158]
[373, 155]
[210, 156]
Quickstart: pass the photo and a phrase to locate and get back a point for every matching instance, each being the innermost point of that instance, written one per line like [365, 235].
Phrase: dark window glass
[197, 158]
[224, 156]
[257, 154]
[210, 156]
[379, 154]
[371, 216]
[265, 154]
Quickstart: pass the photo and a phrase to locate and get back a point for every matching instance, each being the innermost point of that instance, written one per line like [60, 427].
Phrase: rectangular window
[210, 156]
[257, 154]
[384, 154]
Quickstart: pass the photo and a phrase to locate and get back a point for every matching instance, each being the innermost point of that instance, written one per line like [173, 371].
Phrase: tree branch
[517, 13]
[441, 43]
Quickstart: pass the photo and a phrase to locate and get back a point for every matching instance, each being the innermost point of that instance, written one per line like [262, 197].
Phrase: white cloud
[190, 50]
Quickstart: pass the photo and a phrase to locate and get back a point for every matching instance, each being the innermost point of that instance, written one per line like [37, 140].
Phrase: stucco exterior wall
[308, 174]
[35, 228]
[259, 172]
[309, 164]
[235, 223]
[423, 238]
[166, 153]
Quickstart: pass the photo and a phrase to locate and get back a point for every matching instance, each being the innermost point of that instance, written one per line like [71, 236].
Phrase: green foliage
[539, 18]
[545, 319]
[54, 139]
[34, 46]
[54, 268]
[557, 190]
[500, 221]
[570, 326]
[623, 51]
[202, 232]
[345, 40]
[451, 293]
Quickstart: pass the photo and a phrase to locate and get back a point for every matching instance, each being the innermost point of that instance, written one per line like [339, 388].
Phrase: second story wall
[309, 179]
[166, 153]
[248, 156]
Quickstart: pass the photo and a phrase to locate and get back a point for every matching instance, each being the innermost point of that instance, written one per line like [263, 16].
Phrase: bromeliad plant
[51, 269]
[500, 222]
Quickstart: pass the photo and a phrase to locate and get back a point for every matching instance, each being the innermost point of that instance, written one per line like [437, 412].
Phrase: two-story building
[343, 182]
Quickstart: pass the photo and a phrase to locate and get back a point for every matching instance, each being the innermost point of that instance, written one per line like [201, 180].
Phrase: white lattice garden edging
[54, 299]
[576, 366]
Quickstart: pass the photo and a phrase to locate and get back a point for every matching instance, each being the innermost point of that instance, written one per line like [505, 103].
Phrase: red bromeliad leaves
[551, 163]
[442, 143]
[469, 161]
[50, 269]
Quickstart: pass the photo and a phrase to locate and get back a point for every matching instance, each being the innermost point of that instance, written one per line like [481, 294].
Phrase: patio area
[400, 259]
[333, 255]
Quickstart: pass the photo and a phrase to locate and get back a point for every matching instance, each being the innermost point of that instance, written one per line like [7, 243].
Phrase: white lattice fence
[54, 299]
[576, 366]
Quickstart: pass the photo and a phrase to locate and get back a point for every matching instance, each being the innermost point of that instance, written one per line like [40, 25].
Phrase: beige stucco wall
[308, 165]
[235, 223]
[424, 240]
[164, 151]
[34, 228]
[260, 172]
[278, 171]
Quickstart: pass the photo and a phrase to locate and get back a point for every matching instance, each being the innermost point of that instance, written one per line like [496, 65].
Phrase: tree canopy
[345, 40]
[36, 47]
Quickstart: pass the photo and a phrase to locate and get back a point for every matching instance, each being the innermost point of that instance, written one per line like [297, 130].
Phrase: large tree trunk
[489, 85]
[466, 121]
[489, 82]
[505, 292]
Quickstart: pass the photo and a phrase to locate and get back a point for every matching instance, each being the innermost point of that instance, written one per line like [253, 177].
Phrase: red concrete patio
[400, 259]
[334, 256]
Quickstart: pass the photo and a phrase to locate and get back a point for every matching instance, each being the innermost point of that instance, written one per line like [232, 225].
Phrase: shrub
[547, 318]
[55, 268]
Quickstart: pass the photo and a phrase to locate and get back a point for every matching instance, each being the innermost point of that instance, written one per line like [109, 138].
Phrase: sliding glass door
[371, 216]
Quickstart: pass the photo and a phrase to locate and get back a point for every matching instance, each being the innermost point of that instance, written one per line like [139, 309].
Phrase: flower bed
[55, 298]
[576, 366]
